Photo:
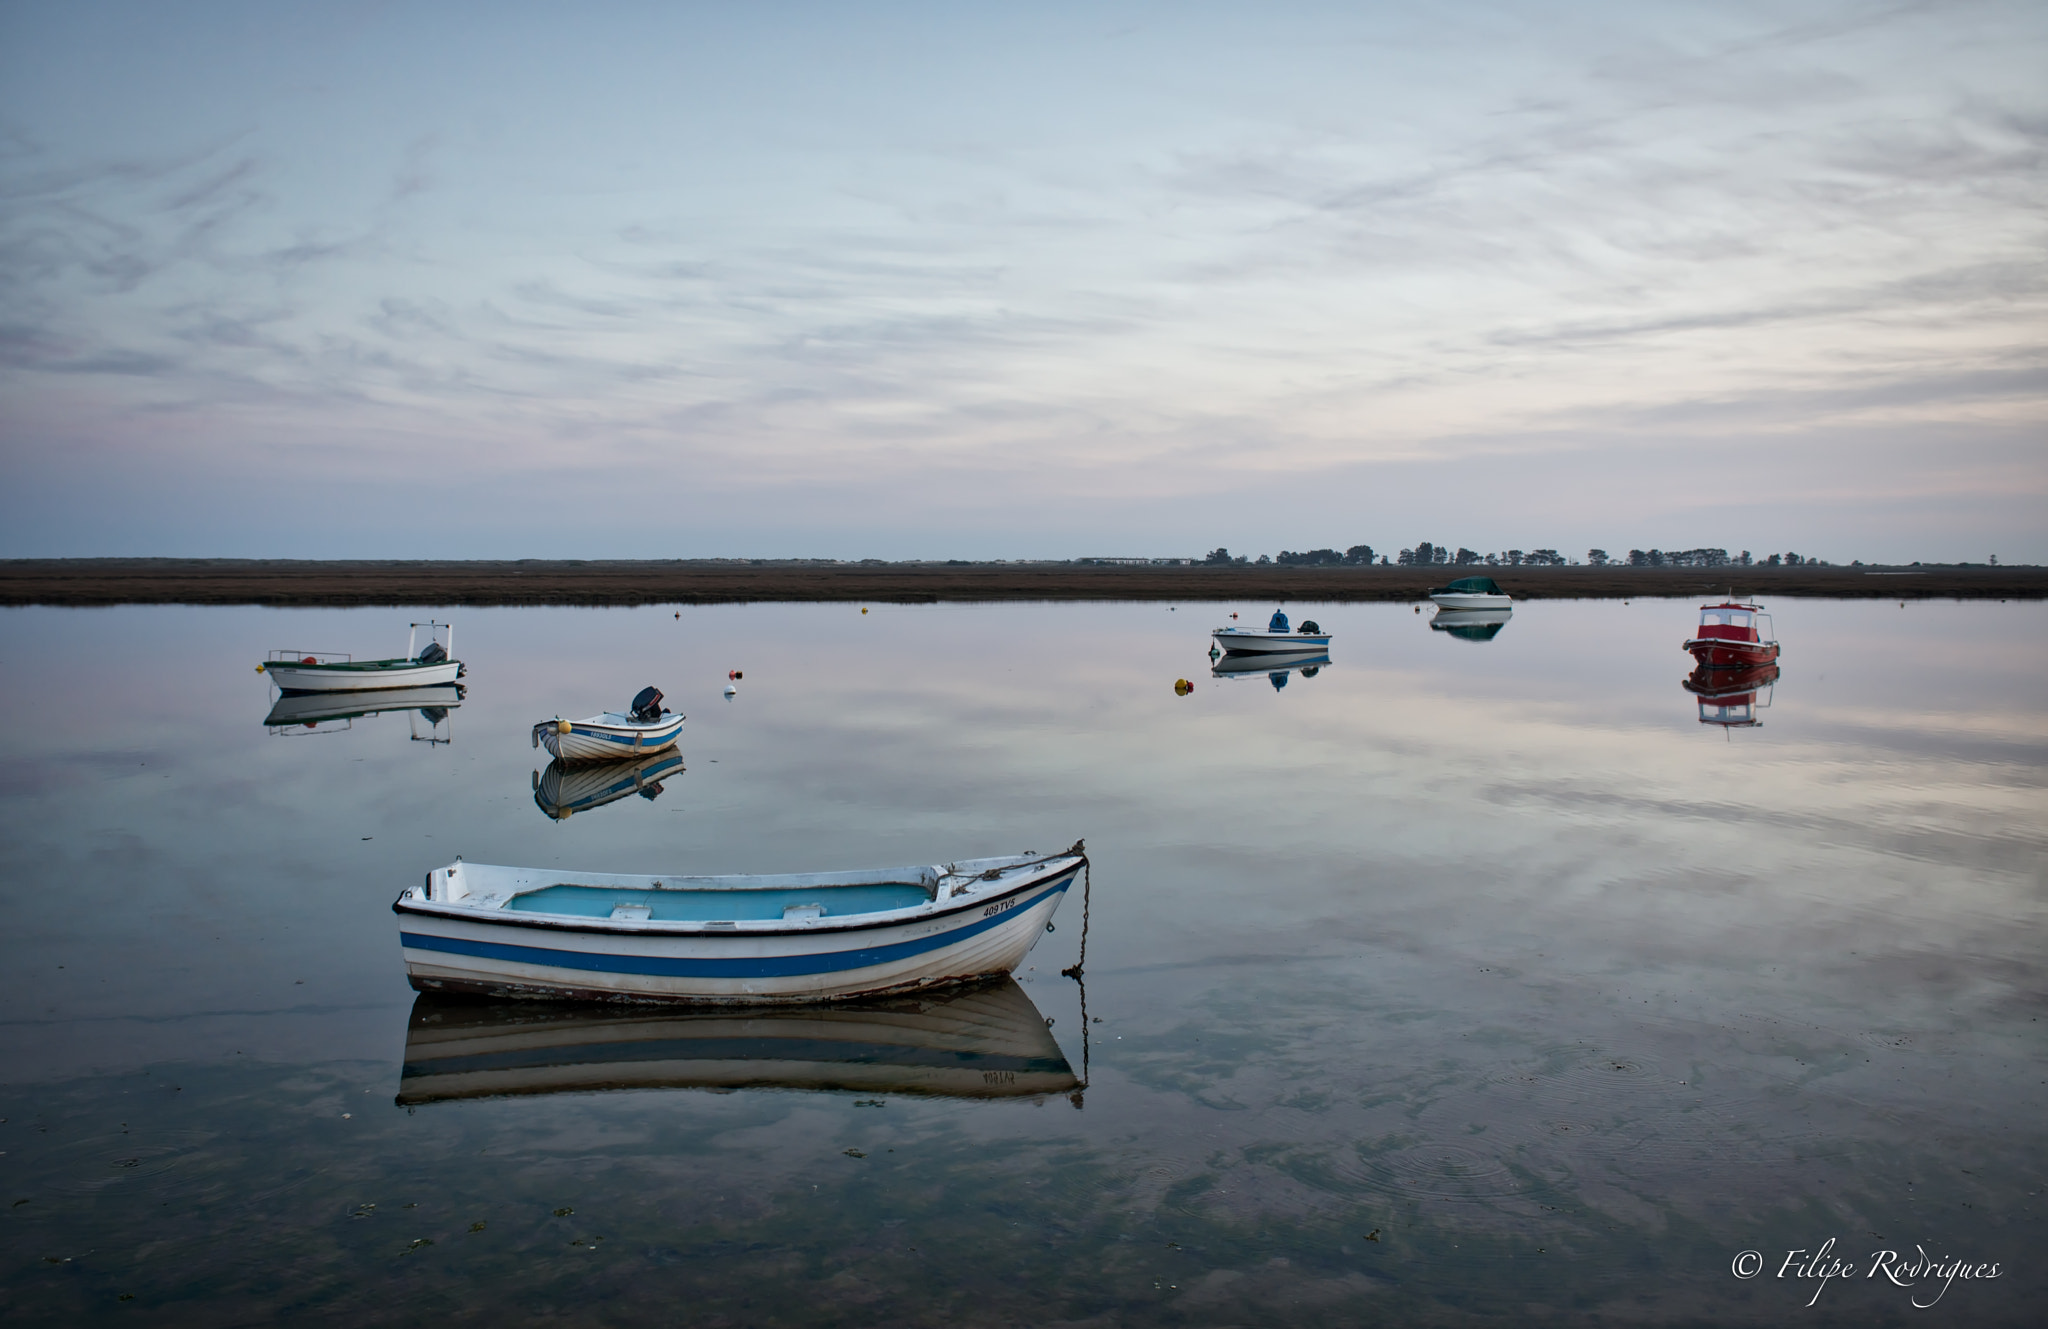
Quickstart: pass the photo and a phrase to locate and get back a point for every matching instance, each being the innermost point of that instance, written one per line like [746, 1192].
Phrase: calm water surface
[1455, 981]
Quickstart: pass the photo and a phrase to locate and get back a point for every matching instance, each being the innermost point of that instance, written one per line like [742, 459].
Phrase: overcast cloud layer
[1001, 281]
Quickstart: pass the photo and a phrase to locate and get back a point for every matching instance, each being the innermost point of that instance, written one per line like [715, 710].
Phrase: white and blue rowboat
[982, 1040]
[333, 671]
[608, 737]
[821, 936]
[562, 790]
[1251, 641]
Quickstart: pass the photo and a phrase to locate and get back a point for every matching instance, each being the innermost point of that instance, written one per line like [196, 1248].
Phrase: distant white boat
[1471, 593]
[613, 735]
[817, 936]
[334, 671]
[984, 1040]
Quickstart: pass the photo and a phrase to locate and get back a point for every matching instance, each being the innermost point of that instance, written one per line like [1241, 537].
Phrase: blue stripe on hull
[770, 966]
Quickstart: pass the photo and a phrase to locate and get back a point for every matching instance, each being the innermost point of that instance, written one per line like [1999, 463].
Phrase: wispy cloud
[1203, 265]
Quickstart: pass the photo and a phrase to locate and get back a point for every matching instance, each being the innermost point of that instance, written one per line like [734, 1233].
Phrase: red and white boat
[1733, 635]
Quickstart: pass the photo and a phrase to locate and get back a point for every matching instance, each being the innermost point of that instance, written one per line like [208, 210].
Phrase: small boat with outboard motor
[1733, 634]
[564, 789]
[1471, 593]
[643, 727]
[1277, 637]
[981, 1040]
[335, 671]
[815, 936]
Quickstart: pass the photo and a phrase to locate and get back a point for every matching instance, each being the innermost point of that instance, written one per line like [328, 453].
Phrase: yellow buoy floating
[1181, 687]
[259, 668]
[863, 609]
[563, 726]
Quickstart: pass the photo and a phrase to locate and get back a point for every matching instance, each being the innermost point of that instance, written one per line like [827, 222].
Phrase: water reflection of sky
[1489, 945]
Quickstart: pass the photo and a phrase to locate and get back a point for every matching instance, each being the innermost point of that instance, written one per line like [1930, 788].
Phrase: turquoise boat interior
[703, 906]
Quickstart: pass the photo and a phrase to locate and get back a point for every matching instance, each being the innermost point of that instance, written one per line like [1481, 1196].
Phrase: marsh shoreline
[279, 582]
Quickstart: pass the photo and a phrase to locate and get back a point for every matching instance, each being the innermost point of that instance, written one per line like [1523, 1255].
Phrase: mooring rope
[1080, 964]
[1079, 967]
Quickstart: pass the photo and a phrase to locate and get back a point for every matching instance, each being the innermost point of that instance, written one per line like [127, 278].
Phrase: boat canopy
[1472, 586]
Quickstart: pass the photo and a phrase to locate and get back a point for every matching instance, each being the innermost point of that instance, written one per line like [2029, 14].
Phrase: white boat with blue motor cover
[1277, 637]
[819, 936]
[335, 671]
[643, 727]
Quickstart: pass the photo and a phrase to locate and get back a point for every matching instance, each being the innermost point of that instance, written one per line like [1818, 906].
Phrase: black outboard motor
[647, 704]
[434, 654]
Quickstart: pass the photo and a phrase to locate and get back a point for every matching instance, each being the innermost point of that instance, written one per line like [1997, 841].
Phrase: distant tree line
[1426, 554]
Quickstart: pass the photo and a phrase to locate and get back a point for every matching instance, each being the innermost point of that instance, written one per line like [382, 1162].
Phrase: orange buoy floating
[734, 673]
[1181, 687]
[863, 609]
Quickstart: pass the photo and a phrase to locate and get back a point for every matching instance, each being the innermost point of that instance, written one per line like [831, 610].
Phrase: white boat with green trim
[334, 671]
[819, 936]
[1471, 593]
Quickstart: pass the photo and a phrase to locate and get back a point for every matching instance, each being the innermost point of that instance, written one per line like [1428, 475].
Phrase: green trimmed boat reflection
[984, 1041]
[1471, 624]
[564, 789]
[305, 712]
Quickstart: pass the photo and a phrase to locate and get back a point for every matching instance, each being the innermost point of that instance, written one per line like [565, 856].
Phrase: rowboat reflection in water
[1274, 666]
[305, 712]
[1728, 697]
[564, 788]
[1471, 624]
[983, 1041]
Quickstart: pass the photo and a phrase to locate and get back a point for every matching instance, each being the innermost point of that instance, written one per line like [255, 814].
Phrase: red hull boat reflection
[1732, 634]
[1728, 697]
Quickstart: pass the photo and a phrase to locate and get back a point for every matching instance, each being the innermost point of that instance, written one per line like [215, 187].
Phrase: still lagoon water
[1456, 981]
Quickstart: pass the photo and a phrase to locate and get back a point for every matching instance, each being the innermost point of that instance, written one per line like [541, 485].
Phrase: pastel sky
[978, 280]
